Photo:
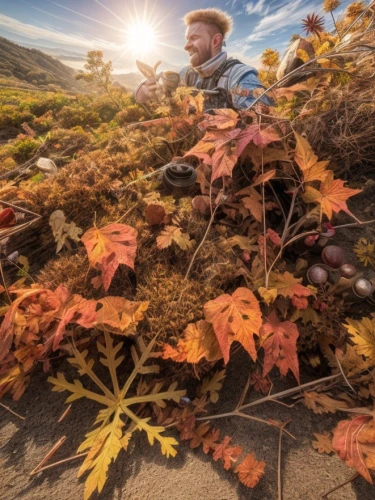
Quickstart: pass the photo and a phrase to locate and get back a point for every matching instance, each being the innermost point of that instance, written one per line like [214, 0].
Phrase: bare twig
[340, 485]
[279, 483]
[201, 243]
[64, 414]
[11, 411]
[51, 452]
[74, 457]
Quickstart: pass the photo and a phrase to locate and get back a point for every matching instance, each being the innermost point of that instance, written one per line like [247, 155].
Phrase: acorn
[348, 271]
[317, 275]
[333, 256]
[362, 287]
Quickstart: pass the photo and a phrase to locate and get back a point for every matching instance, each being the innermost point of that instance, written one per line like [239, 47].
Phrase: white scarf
[209, 67]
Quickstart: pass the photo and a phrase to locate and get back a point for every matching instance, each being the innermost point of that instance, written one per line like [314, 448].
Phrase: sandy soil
[144, 474]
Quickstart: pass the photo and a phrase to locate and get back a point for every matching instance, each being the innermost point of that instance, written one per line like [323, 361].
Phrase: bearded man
[236, 84]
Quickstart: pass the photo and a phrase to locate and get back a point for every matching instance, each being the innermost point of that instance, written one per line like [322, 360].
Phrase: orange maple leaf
[279, 341]
[250, 471]
[227, 454]
[332, 195]
[120, 314]
[198, 341]
[354, 442]
[307, 161]
[203, 151]
[223, 162]
[237, 317]
[109, 247]
[288, 286]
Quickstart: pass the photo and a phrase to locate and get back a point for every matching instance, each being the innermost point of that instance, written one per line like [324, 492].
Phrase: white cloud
[11, 25]
[257, 8]
[286, 16]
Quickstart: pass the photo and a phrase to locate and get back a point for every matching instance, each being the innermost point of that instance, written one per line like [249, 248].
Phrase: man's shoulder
[238, 67]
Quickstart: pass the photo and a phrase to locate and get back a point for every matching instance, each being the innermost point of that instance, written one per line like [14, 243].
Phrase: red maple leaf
[279, 341]
[260, 136]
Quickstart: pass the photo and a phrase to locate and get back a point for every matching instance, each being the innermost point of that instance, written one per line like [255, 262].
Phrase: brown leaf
[202, 204]
[250, 471]
[288, 286]
[321, 403]
[323, 443]
[174, 234]
[279, 341]
[109, 247]
[235, 318]
[154, 214]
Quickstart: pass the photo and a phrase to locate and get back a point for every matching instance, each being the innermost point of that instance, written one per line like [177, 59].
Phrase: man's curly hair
[217, 17]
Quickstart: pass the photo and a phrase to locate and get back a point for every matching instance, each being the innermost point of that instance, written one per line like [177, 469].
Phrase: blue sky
[70, 28]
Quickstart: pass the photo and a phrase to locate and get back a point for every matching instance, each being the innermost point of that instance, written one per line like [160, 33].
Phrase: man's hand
[146, 90]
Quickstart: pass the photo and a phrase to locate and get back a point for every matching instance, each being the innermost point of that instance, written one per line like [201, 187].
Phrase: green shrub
[72, 116]
[24, 149]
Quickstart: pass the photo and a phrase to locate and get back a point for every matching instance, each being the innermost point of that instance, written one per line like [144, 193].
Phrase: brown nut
[333, 256]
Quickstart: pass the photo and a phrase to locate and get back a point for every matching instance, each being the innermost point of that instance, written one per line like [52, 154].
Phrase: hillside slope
[32, 68]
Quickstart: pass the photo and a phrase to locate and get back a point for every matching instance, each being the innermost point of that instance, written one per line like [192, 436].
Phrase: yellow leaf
[268, 295]
[307, 161]
[120, 314]
[362, 333]
[322, 403]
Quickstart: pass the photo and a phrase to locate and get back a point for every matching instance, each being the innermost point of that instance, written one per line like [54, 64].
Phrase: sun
[140, 39]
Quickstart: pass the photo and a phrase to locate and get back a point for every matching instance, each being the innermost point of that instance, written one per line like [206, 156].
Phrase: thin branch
[279, 482]
[51, 452]
[75, 457]
[340, 485]
[11, 411]
[288, 392]
[201, 243]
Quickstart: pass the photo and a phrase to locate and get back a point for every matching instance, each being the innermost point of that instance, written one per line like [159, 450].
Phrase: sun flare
[140, 39]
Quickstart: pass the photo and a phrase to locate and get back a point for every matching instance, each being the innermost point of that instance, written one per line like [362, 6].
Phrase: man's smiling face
[200, 43]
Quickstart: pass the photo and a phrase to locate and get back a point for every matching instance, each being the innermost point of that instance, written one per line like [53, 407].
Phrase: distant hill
[129, 80]
[31, 68]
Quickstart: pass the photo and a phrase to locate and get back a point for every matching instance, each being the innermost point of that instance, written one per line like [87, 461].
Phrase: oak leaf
[109, 247]
[174, 234]
[307, 161]
[228, 454]
[362, 333]
[354, 442]
[323, 443]
[120, 314]
[250, 470]
[235, 318]
[332, 195]
[279, 341]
